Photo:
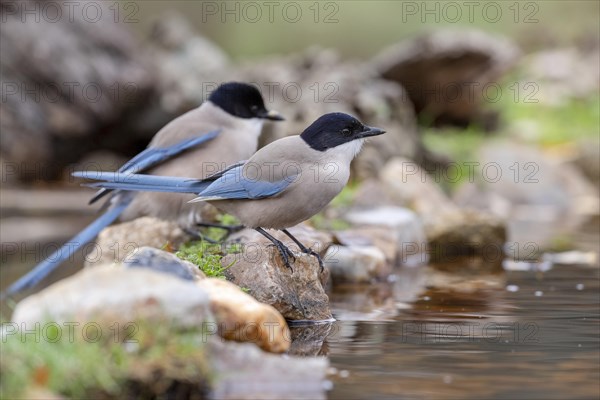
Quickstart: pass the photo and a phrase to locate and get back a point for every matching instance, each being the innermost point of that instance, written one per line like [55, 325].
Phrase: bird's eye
[346, 132]
[254, 108]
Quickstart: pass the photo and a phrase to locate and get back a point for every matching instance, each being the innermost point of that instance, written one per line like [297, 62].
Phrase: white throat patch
[347, 150]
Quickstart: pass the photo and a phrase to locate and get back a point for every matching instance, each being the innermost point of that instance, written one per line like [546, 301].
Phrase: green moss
[207, 256]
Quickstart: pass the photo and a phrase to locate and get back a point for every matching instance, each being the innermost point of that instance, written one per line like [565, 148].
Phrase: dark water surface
[529, 334]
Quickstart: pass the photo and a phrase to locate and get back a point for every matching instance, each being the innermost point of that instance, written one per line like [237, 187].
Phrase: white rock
[356, 264]
[113, 294]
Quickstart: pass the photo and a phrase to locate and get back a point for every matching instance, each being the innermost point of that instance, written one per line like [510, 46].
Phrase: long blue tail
[142, 182]
[84, 237]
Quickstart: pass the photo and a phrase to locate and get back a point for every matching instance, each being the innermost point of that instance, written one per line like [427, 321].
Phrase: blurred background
[497, 101]
[456, 83]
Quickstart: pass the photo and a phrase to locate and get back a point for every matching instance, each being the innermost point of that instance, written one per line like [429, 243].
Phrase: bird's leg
[305, 249]
[283, 250]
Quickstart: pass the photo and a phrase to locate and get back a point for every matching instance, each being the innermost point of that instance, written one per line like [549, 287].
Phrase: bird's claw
[285, 255]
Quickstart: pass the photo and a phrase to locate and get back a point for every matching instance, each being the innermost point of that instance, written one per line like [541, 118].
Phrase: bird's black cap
[334, 129]
[242, 100]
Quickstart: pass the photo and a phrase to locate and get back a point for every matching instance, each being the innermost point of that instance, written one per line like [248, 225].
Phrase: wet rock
[356, 264]
[372, 302]
[444, 72]
[450, 230]
[297, 295]
[468, 233]
[462, 281]
[164, 262]
[115, 242]
[540, 196]
[402, 226]
[241, 318]
[242, 371]
[377, 236]
[112, 294]
[309, 339]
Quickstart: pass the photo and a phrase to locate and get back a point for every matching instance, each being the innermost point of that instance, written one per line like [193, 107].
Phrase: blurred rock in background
[68, 87]
[143, 85]
[446, 72]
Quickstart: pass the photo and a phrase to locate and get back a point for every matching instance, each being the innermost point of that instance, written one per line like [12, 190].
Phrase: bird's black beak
[371, 131]
[272, 115]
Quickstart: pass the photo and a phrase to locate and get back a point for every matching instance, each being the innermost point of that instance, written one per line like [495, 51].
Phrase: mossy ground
[206, 255]
[147, 361]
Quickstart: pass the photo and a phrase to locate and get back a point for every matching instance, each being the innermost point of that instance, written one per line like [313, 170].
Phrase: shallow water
[432, 334]
[527, 334]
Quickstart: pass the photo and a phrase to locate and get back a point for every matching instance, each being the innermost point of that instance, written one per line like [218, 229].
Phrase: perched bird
[221, 131]
[281, 185]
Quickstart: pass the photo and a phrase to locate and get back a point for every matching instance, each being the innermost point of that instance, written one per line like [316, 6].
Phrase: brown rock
[117, 241]
[243, 319]
[297, 295]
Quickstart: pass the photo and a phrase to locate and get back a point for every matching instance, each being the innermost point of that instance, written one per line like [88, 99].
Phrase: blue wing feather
[233, 185]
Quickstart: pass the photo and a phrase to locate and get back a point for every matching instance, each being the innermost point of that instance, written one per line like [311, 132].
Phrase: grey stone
[372, 235]
[242, 371]
[402, 225]
[161, 261]
[356, 264]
